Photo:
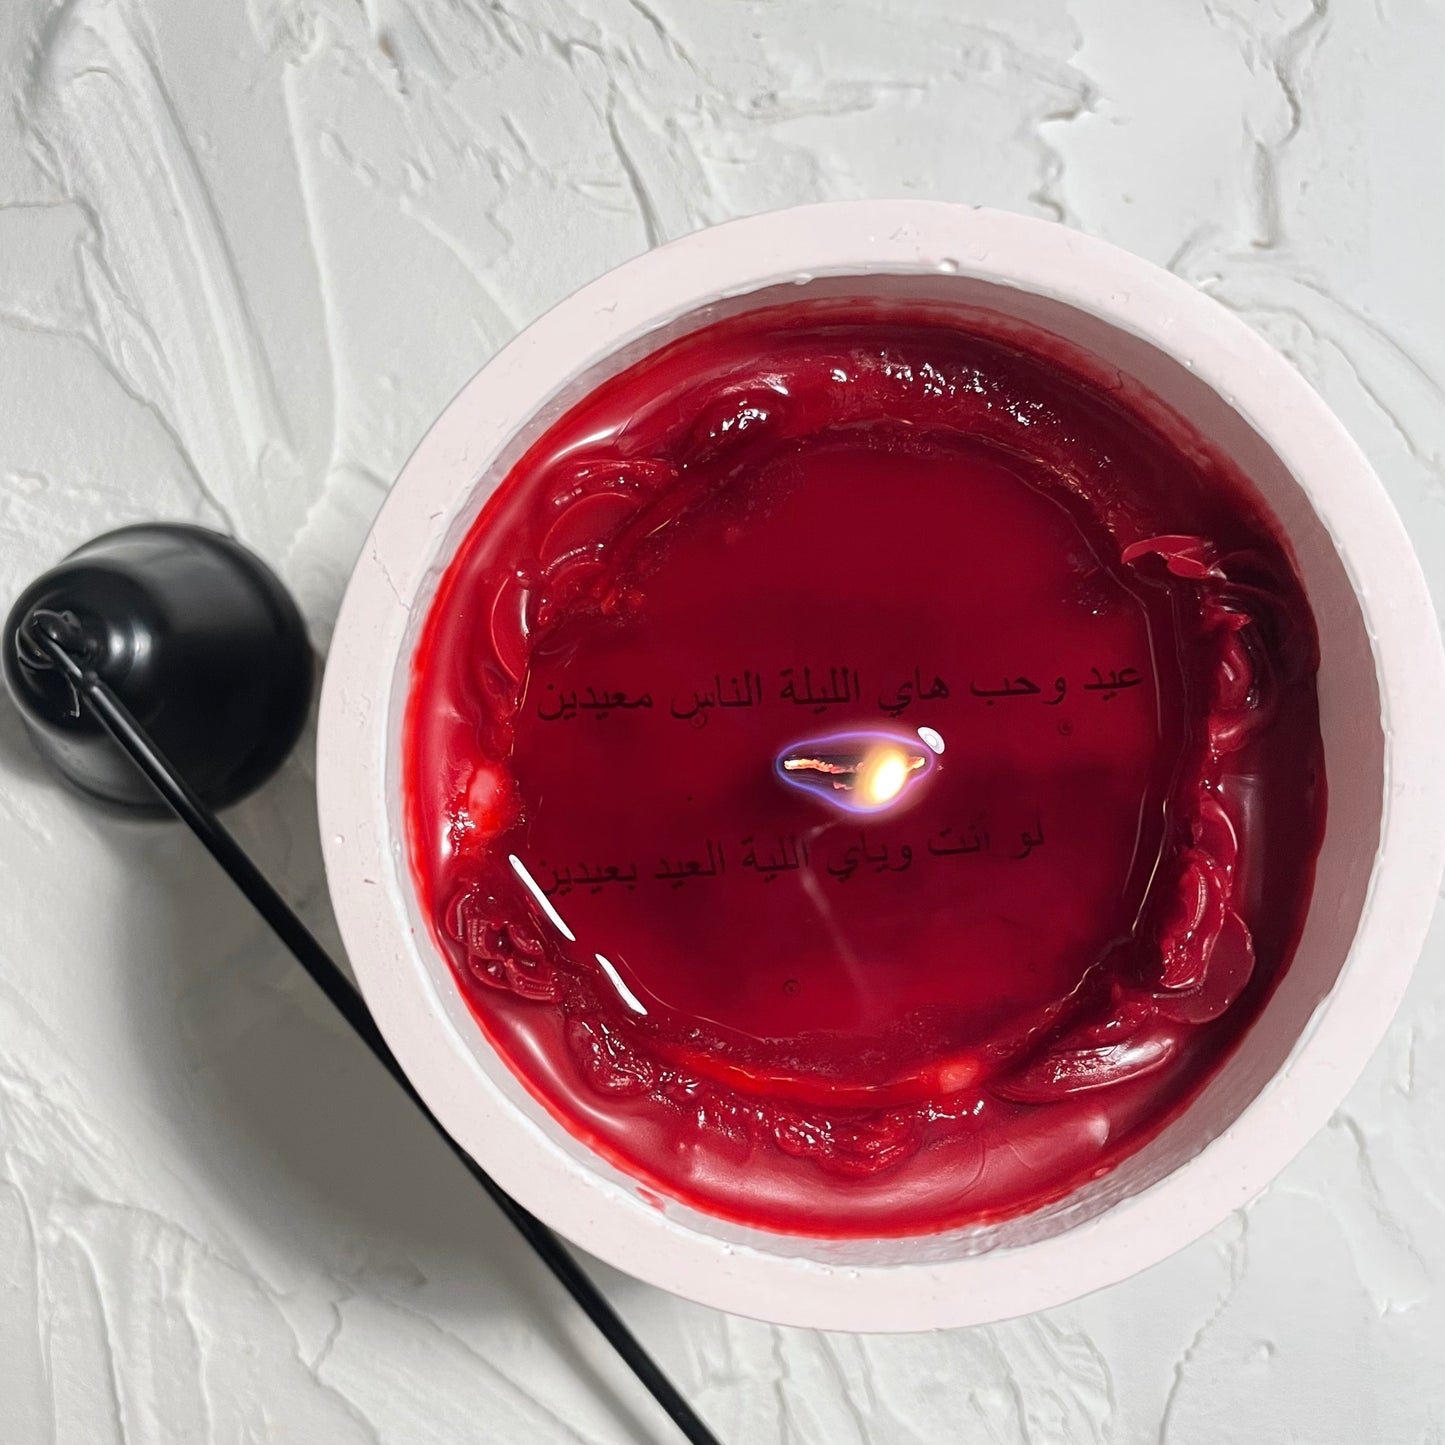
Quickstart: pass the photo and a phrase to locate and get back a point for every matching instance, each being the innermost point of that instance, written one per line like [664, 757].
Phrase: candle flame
[862, 772]
[882, 775]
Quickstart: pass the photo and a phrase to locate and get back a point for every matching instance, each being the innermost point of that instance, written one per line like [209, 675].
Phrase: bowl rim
[856, 237]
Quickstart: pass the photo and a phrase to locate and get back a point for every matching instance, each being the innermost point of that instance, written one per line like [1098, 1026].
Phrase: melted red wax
[811, 524]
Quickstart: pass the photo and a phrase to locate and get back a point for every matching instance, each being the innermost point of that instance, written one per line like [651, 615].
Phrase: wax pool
[766, 968]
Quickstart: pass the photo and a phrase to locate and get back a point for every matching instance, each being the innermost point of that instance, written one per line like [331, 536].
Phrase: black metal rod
[46, 632]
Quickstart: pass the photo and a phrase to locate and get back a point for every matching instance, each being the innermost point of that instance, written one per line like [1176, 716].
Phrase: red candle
[865, 776]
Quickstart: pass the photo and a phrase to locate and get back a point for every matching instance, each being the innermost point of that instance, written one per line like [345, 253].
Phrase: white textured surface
[246, 254]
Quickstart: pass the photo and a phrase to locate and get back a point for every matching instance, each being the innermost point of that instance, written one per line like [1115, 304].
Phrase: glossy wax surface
[814, 534]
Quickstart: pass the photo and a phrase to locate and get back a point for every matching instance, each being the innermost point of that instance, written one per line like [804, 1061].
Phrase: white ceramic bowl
[1382, 697]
